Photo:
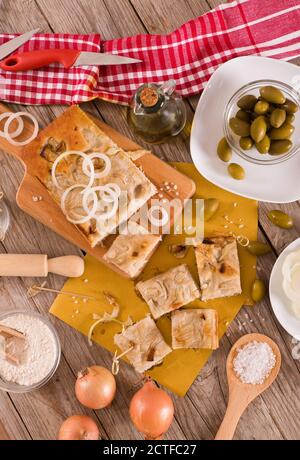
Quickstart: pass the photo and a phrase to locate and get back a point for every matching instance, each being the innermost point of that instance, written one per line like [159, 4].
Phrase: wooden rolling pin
[40, 265]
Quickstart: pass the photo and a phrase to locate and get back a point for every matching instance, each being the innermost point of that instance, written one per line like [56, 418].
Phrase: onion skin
[79, 428]
[95, 387]
[151, 411]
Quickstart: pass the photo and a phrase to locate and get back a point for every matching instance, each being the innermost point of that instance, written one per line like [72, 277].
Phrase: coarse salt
[254, 362]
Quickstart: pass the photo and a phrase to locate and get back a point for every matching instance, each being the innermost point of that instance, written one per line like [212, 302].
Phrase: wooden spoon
[242, 394]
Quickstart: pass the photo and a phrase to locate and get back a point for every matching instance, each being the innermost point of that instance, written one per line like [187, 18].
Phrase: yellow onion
[79, 428]
[151, 411]
[95, 387]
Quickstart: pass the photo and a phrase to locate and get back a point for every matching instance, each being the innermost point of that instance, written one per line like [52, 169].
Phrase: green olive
[236, 171]
[290, 118]
[290, 106]
[246, 143]
[272, 94]
[242, 115]
[211, 205]
[247, 102]
[280, 219]
[263, 145]
[258, 290]
[284, 132]
[261, 107]
[280, 147]
[224, 151]
[258, 129]
[277, 118]
[258, 248]
[239, 127]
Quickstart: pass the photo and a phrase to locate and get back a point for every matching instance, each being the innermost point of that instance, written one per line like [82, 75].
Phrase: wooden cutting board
[49, 213]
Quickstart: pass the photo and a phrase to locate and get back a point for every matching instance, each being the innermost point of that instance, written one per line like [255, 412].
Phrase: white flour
[40, 352]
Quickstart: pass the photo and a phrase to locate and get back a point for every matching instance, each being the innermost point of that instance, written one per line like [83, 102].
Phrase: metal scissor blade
[15, 43]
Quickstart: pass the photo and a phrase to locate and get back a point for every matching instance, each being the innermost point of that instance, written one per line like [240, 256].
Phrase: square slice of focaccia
[218, 267]
[149, 347]
[195, 329]
[131, 252]
[75, 130]
[168, 291]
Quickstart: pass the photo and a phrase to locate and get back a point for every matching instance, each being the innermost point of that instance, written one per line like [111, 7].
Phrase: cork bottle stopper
[149, 97]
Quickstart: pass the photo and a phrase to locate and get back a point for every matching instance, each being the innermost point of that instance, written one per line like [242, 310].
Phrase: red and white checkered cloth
[189, 55]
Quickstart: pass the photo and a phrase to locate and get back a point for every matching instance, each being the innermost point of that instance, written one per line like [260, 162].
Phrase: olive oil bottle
[156, 112]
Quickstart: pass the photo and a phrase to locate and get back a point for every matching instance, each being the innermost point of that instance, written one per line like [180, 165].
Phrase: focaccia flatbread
[131, 252]
[168, 291]
[218, 267]
[149, 347]
[195, 329]
[75, 130]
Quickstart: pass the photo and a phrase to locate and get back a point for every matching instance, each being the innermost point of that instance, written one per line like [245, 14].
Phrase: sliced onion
[85, 195]
[108, 214]
[112, 190]
[101, 156]
[158, 222]
[74, 152]
[19, 129]
[83, 219]
[14, 116]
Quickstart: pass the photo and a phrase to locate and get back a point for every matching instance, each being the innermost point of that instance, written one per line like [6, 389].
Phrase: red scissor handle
[35, 59]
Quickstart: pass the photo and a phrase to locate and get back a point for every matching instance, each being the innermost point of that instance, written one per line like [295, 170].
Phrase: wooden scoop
[242, 394]
[40, 265]
[14, 344]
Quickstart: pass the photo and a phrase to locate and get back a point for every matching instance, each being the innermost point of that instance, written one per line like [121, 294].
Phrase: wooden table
[275, 415]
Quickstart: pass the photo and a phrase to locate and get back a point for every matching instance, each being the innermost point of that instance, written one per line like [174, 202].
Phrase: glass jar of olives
[262, 122]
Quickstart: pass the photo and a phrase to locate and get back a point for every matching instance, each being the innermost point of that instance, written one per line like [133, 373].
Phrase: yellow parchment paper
[180, 368]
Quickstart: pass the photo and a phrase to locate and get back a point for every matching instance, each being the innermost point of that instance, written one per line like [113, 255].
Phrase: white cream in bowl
[291, 280]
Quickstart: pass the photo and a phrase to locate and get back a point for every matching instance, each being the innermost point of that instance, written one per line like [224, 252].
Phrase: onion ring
[102, 188]
[19, 129]
[158, 222]
[83, 219]
[108, 188]
[73, 152]
[102, 157]
[12, 117]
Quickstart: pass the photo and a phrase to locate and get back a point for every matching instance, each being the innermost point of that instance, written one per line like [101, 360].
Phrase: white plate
[273, 183]
[279, 301]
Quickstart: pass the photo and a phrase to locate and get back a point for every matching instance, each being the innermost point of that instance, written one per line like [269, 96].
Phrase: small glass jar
[252, 155]
[157, 112]
[13, 387]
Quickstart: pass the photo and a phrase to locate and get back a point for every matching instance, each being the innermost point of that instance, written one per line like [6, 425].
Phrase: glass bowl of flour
[38, 353]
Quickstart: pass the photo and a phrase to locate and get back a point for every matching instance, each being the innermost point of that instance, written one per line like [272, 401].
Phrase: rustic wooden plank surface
[38, 415]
